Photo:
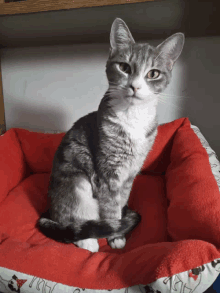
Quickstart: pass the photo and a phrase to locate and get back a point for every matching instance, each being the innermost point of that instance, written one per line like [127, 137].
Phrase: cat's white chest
[136, 121]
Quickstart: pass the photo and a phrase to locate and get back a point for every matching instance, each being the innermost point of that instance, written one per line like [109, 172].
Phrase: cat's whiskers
[114, 83]
[165, 102]
[121, 89]
[172, 96]
[164, 98]
[118, 91]
[117, 86]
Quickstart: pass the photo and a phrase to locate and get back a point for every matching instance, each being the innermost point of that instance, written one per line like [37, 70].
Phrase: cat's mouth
[134, 96]
[139, 97]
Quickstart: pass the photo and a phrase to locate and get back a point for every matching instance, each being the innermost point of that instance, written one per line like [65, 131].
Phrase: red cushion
[194, 211]
[12, 163]
[38, 148]
[177, 197]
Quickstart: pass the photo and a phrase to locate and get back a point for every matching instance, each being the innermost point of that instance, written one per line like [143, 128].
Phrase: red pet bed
[179, 235]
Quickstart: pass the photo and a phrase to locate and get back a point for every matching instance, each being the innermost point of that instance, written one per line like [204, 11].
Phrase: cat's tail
[80, 230]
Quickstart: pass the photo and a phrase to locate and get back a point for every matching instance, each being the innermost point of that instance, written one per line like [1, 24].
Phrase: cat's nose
[135, 87]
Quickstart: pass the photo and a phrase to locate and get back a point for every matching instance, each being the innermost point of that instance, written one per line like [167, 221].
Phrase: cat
[96, 163]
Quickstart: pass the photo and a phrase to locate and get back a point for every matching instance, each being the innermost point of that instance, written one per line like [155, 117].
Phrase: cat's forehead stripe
[141, 56]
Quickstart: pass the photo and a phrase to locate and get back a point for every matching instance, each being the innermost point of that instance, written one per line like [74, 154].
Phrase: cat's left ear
[171, 48]
[120, 36]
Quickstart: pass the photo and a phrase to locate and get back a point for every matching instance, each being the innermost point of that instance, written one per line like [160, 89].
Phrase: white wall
[48, 88]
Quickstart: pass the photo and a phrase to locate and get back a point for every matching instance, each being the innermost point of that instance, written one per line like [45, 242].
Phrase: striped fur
[99, 157]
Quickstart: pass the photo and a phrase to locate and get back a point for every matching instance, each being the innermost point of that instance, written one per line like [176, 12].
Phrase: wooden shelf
[87, 25]
[146, 19]
[33, 6]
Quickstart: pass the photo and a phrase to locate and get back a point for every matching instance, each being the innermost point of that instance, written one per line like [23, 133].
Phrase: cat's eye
[125, 67]
[153, 74]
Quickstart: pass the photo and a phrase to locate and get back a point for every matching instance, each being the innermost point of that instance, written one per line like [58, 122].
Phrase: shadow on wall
[172, 101]
[37, 118]
[43, 85]
[201, 75]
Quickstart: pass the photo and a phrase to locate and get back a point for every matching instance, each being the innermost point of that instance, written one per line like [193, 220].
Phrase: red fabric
[177, 197]
[39, 149]
[12, 165]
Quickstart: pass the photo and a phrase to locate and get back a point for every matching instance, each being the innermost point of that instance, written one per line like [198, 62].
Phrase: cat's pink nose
[135, 88]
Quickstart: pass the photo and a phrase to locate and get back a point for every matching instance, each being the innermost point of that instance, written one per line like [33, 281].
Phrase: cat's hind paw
[89, 244]
[117, 243]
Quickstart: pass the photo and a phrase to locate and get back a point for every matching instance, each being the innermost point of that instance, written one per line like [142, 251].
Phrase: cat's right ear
[120, 36]
[171, 48]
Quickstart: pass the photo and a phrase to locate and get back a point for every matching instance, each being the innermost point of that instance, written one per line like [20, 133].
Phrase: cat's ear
[171, 48]
[120, 36]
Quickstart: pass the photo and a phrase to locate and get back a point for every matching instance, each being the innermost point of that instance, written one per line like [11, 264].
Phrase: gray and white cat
[99, 157]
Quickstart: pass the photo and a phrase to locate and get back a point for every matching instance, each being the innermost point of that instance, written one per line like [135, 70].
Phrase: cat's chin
[141, 98]
[135, 97]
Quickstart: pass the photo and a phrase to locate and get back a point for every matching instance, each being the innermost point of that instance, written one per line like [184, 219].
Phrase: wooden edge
[32, 6]
[2, 109]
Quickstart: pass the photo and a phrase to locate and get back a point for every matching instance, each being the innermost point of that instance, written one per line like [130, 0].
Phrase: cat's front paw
[117, 243]
[89, 244]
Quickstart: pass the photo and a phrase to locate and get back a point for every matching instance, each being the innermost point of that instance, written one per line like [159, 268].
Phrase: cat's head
[139, 71]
